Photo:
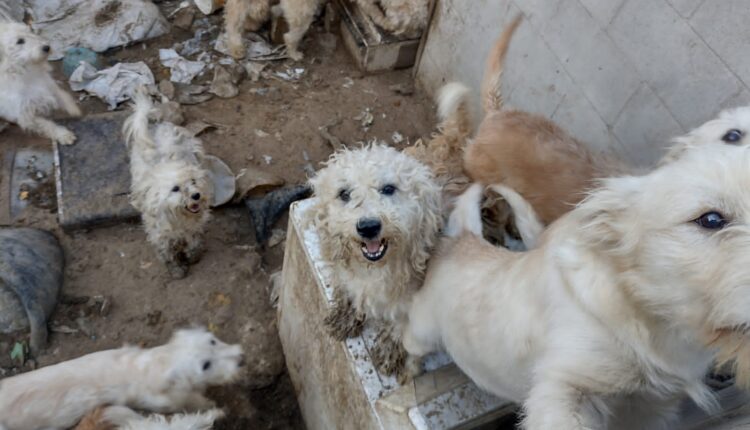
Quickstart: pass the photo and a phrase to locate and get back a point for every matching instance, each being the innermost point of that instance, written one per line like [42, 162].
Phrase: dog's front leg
[343, 320]
[49, 129]
[555, 405]
[68, 103]
[194, 250]
[388, 353]
[169, 253]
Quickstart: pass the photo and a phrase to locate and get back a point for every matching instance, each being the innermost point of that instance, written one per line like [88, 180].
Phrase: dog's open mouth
[374, 250]
[194, 208]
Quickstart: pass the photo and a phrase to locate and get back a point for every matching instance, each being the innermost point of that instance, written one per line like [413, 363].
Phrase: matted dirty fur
[124, 418]
[378, 215]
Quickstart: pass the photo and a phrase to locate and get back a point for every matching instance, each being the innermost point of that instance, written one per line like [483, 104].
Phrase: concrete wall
[623, 74]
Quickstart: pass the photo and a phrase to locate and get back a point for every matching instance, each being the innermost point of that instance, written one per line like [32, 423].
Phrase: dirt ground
[228, 290]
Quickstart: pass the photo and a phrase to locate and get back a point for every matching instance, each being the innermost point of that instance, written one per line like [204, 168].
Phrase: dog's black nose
[196, 196]
[369, 228]
[45, 48]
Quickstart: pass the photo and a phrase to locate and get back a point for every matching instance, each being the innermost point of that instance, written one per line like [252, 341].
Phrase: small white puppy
[28, 90]
[378, 214]
[621, 309]
[167, 378]
[170, 186]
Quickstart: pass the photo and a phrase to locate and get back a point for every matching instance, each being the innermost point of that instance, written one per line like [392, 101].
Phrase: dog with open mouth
[378, 215]
[170, 186]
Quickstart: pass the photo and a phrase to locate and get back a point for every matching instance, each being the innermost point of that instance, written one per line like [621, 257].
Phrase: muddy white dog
[621, 309]
[378, 214]
[167, 378]
[28, 91]
[170, 187]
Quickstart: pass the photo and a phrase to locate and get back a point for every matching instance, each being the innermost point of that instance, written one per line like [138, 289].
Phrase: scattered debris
[293, 74]
[365, 118]
[113, 85]
[275, 280]
[223, 84]
[169, 111]
[405, 89]
[257, 48]
[183, 17]
[188, 94]
[254, 69]
[260, 133]
[182, 71]
[253, 182]
[19, 352]
[74, 57]
[332, 140]
[277, 236]
[222, 178]
[348, 82]
[199, 127]
[397, 137]
[267, 159]
[308, 167]
[166, 88]
[266, 210]
[208, 6]
[63, 329]
[98, 25]
[201, 40]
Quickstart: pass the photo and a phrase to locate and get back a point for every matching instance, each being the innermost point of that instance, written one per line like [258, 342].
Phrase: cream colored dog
[618, 313]
[124, 418]
[251, 14]
[406, 18]
[170, 187]
[167, 378]
[28, 91]
[378, 214]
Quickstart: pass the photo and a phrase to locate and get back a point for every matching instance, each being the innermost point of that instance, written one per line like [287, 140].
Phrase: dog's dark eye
[345, 195]
[711, 221]
[388, 190]
[21, 41]
[206, 365]
[732, 136]
[175, 189]
[192, 181]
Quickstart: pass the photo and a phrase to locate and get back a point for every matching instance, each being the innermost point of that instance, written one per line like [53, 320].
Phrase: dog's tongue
[372, 245]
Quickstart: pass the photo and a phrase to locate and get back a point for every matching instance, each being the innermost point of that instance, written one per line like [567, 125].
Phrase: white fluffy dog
[170, 187]
[378, 214]
[167, 378]
[124, 418]
[28, 90]
[399, 17]
[618, 313]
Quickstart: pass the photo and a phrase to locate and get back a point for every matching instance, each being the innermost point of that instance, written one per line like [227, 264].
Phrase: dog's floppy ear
[429, 194]
[606, 216]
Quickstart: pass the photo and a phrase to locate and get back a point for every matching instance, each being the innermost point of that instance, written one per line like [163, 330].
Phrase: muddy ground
[228, 290]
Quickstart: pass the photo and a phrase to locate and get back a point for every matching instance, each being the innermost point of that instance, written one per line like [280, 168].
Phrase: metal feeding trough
[336, 383]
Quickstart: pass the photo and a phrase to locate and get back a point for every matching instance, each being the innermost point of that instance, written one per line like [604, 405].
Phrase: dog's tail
[467, 214]
[135, 128]
[527, 222]
[454, 108]
[492, 98]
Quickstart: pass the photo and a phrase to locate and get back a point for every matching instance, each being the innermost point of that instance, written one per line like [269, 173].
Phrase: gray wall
[623, 74]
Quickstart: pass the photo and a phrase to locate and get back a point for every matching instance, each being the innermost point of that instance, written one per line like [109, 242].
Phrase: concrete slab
[603, 11]
[93, 176]
[686, 8]
[337, 386]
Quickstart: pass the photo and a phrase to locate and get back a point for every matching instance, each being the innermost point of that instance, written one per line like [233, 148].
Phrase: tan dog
[619, 312]
[406, 18]
[529, 153]
[167, 378]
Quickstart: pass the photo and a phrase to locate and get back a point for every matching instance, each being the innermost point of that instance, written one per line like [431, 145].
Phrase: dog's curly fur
[375, 183]
[621, 309]
[165, 379]
[406, 18]
[29, 93]
[124, 418]
[170, 186]
[524, 151]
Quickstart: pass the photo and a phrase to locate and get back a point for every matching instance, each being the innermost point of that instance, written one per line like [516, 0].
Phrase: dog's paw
[343, 322]
[389, 355]
[296, 55]
[237, 50]
[65, 137]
